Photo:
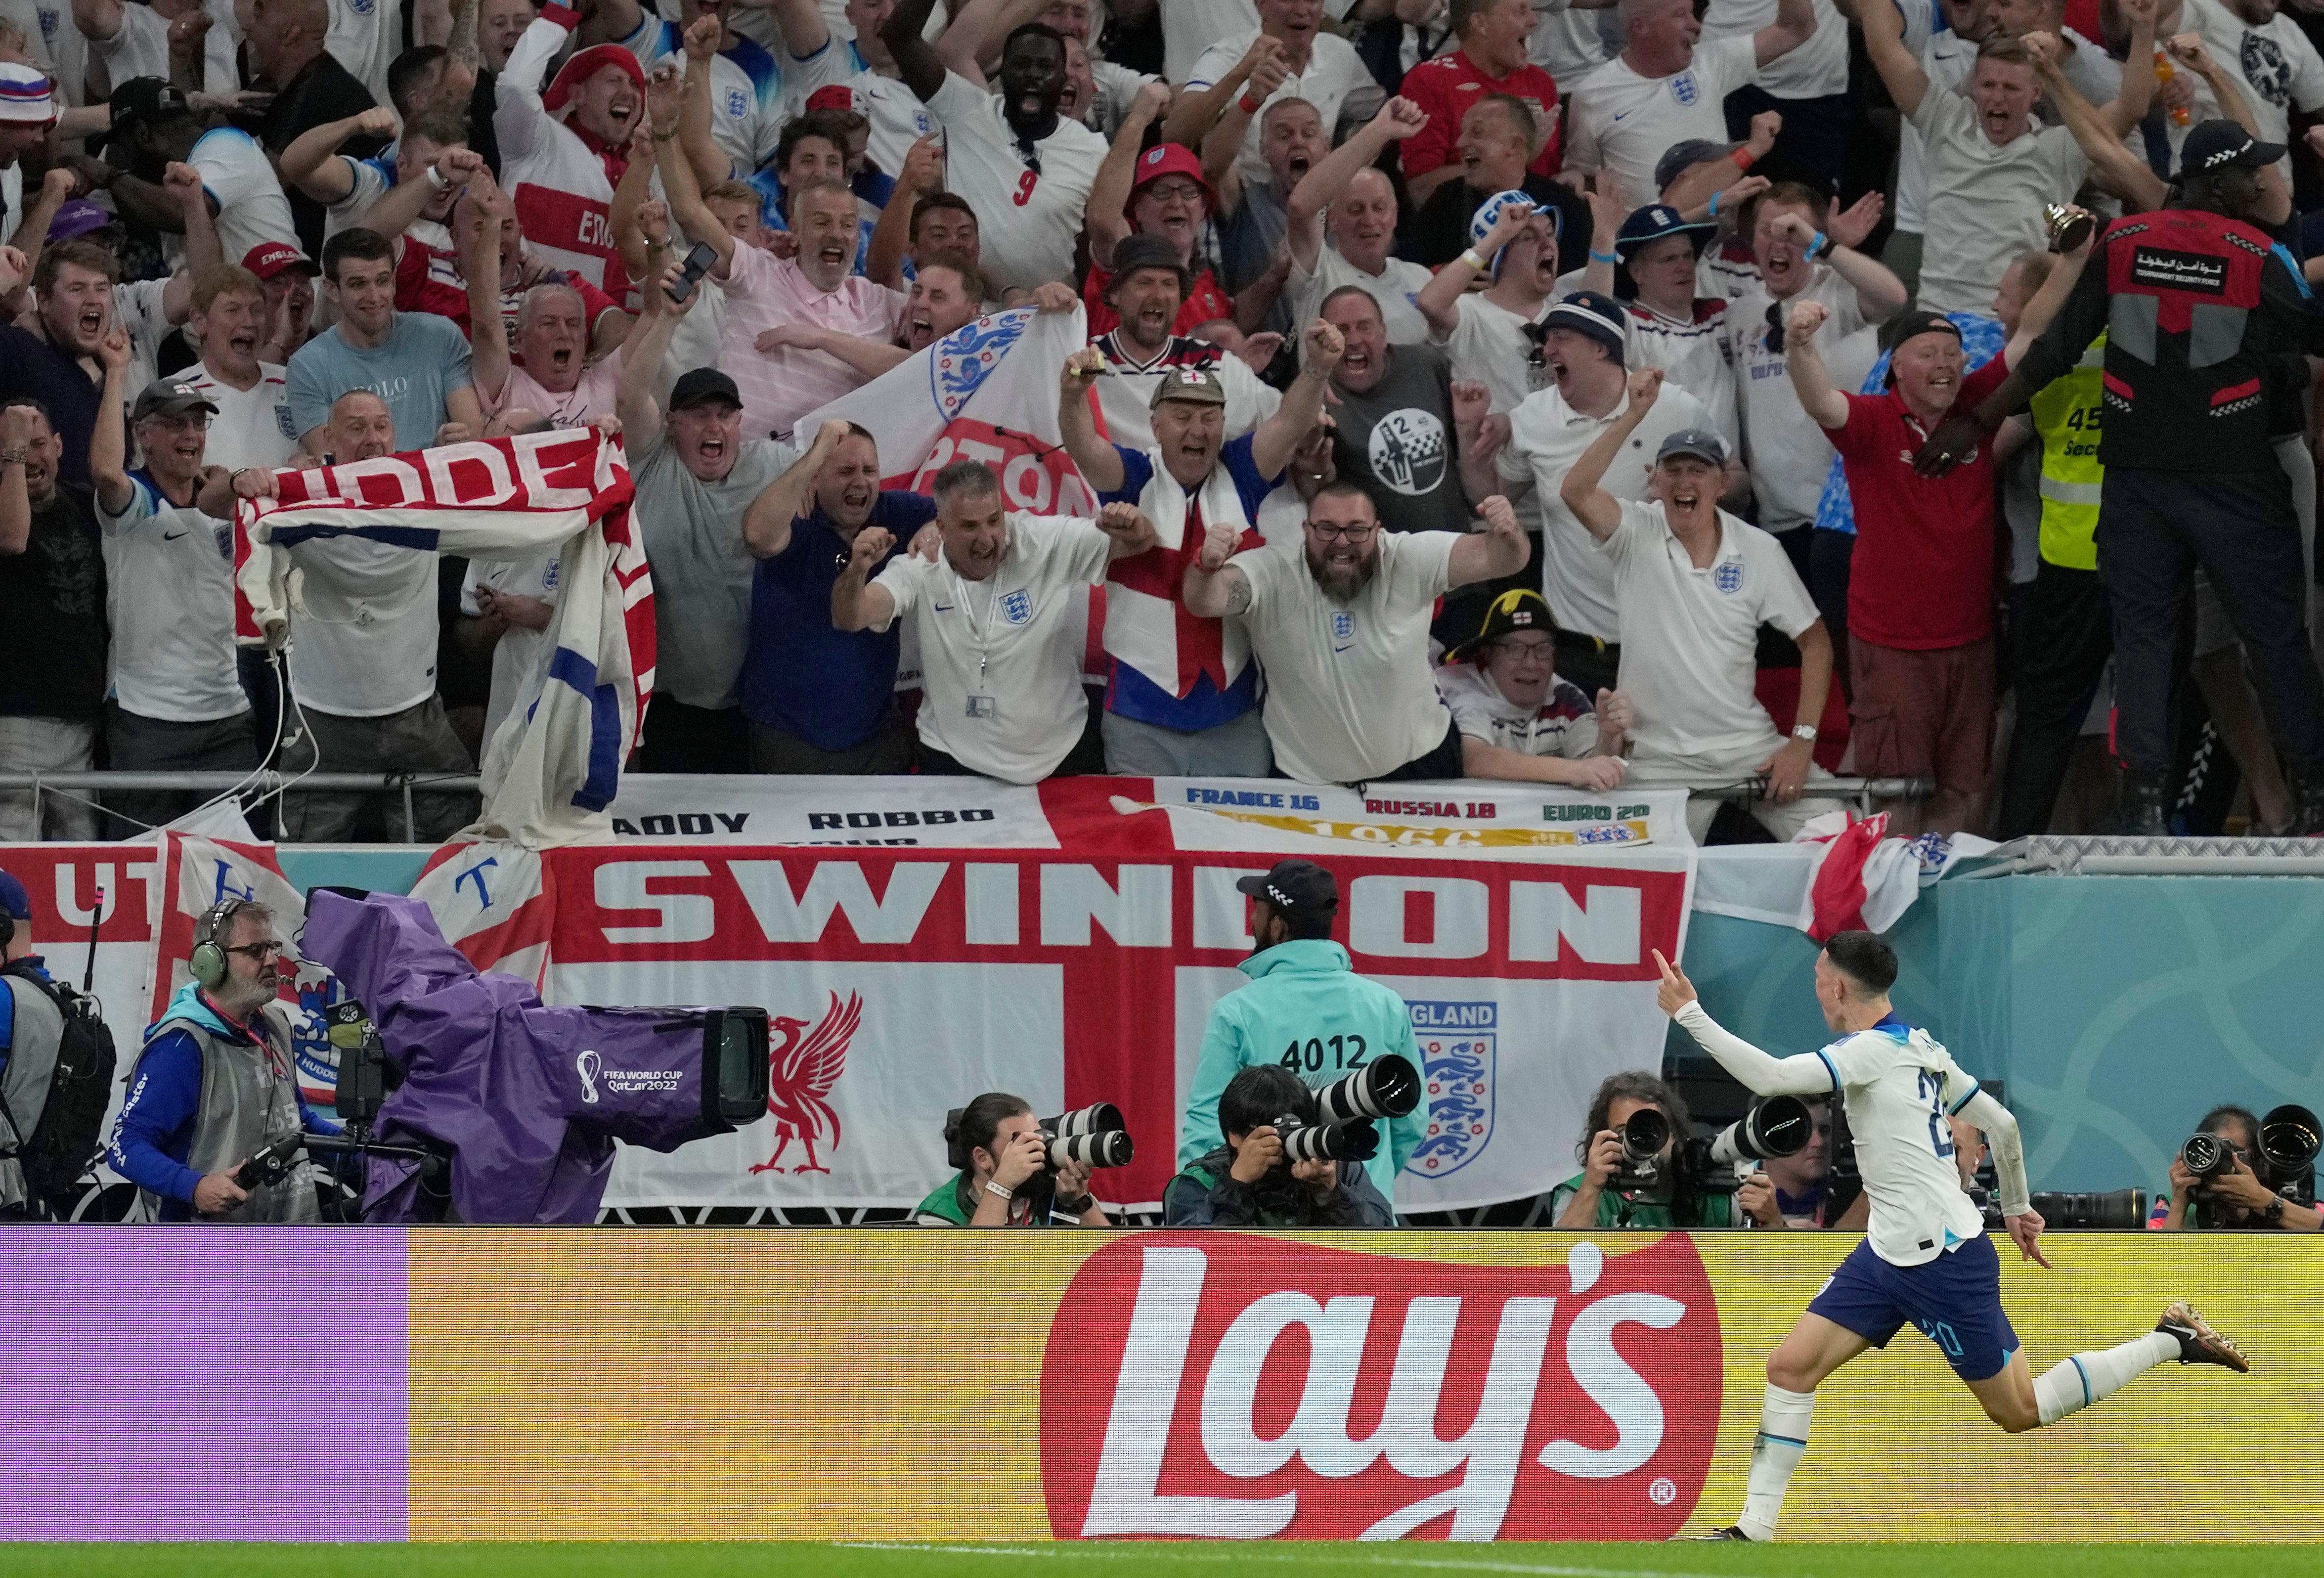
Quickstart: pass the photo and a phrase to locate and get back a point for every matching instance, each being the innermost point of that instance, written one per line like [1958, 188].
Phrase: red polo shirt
[1449, 85]
[1922, 575]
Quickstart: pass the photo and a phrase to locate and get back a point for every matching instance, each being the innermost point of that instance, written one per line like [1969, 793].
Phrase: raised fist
[1800, 327]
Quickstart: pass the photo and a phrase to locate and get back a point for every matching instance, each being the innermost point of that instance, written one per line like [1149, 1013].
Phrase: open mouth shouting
[833, 254]
[1355, 360]
[91, 321]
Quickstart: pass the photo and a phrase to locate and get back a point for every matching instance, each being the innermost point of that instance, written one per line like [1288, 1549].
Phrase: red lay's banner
[1265, 1388]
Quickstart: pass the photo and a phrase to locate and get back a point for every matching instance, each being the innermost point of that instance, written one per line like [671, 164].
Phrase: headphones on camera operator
[208, 963]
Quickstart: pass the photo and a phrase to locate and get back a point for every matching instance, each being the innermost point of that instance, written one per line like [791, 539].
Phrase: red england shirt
[1922, 575]
[1447, 86]
[1206, 303]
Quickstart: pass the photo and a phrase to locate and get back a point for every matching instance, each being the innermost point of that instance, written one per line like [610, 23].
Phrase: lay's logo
[1252, 1387]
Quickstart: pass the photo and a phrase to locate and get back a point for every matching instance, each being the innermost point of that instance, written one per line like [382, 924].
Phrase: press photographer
[1637, 1172]
[215, 1084]
[1004, 1178]
[2241, 1172]
[1275, 1169]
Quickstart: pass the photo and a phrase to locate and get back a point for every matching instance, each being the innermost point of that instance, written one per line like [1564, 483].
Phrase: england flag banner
[1067, 945]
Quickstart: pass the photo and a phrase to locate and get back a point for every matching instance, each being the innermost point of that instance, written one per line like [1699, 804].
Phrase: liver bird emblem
[801, 1069]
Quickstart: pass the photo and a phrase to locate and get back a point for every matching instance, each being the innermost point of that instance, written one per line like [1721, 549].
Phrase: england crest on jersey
[1458, 1042]
[738, 103]
[1729, 577]
[1343, 625]
[1683, 88]
[1016, 607]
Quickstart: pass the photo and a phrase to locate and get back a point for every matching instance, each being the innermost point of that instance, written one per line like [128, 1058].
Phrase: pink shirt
[778, 388]
[592, 397]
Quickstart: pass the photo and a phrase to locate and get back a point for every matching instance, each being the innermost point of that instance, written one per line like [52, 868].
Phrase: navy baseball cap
[704, 384]
[2216, 144]
[1295, 887]
[1700, 442]
[1654, 222]
[1680, 157]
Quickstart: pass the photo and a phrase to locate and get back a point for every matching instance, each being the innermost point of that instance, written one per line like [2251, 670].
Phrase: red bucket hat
[1171, 159]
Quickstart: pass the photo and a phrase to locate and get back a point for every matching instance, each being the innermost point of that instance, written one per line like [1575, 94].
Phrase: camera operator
[1596, 1199]
[1006, 1182]
[1246, 1182]
[214, 1084]
[2238, 1199]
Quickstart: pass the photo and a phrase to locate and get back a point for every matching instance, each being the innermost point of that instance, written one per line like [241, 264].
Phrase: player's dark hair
[1257, 1095]
[355, 242]
[980, 1119]
[2239, 1115]
[1864, 959]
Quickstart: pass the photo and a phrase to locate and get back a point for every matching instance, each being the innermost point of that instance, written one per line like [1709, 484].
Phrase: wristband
[438, 178]
[1604, 257]
[1250, 104]
[1714, 203]
[1474, 262]
[1822, 245]
[11, 457]
[996, 1188]
[1744, 158]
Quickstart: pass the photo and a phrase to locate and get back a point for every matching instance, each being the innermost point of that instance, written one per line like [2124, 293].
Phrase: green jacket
[1712, 1209]
[1308, 1009]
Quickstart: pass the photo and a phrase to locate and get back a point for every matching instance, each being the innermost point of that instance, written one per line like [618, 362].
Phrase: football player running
[1926, 1257]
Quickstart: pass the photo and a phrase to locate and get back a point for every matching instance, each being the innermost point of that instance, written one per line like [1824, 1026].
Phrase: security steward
[214, 1084]
[2209, 328]
[32, 1026]
[1305, 1010]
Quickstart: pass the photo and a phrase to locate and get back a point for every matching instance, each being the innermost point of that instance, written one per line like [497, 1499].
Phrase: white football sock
[1783, 1441]
[2084, 1379]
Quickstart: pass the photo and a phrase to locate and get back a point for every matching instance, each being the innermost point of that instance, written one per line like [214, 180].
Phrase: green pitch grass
[713, 1560]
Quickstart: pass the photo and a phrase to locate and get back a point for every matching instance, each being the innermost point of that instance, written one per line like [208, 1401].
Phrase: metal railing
[2120, 855]
[258, 785]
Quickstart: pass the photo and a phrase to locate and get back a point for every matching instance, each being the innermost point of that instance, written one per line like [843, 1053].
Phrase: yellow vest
[2066, 419]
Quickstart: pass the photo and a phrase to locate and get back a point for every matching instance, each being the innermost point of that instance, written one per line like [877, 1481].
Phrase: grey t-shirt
[424, 358]
[702, 572]
[1397, 440]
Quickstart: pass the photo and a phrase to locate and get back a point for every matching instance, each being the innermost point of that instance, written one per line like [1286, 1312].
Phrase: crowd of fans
[1570, 391]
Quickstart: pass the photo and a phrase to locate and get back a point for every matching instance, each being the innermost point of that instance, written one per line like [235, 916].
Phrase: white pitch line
[1211, 1552]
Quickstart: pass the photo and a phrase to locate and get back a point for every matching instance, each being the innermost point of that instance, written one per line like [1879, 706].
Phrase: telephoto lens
[2208, 1155]
[1098, 1118]
[1389, 1086]
[1643, 1135]
[1311, 1141]
[2117, 1211]
[2288, 1137]
[1778, 1126]
[1108, 1149]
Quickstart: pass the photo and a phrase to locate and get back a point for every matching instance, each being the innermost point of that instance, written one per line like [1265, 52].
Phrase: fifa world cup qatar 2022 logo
[1246, 1386]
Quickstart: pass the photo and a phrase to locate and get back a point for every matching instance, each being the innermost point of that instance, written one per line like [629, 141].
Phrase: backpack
[60, 1151]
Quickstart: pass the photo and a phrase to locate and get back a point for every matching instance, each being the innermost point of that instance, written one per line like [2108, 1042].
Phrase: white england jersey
[1900, 1086]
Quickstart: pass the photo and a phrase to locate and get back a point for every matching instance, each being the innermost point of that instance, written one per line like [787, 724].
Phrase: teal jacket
[1308, 1009]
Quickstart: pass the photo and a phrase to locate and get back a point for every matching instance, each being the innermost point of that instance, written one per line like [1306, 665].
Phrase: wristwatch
[1074, 1207]
[2273, 1215]
[1805, 732]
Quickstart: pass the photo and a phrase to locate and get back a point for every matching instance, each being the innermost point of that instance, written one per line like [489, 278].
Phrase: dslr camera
[1389, 1086]
[1095, 1135]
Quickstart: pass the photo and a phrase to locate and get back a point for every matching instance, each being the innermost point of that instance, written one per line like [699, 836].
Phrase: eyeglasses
[1336, 533]
[1175, 192]
[1536, 651]
[261, 952]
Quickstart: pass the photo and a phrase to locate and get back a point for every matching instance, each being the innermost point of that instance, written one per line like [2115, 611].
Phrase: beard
[1343, 585]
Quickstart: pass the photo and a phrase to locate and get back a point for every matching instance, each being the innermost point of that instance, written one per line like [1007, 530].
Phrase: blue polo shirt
[827, 687]
[1132, 694]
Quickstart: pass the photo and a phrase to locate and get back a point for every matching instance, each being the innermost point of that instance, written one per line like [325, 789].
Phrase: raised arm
[917, 61]
[1879, 294]
[634, 234]
[518, 121]
[1109, 198]
[1213, 588]
[1500, 550]
[1809, 380]
[1099, 461]
[974, 35]
[1884, 41]
[1321, 187]
[2043, 309]
[108, 441]
[1699, 184]
[2187, 49]
[2116, 167]
[855, 604]
[1592, 505]
[681, 190]
[182, 183]
[642, 359]
[1803, 1073]
[476, 231]
[1274, 440]
[1440, 300]
[709, 161]
[1199, 109]
[805, 29]
[1795, 23]
[891, 237]
[309, 163]
[767, 523]
[1129, 533]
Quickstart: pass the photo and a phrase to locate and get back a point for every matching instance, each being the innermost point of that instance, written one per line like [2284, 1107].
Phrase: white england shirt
[1626, 122]
[1900, 1086]
[1028, 220]
[169, 592]
[252, 426]
[1012, 644]
[362, 642]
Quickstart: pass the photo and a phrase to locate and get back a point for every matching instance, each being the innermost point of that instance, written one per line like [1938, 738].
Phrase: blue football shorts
[1953, 1300]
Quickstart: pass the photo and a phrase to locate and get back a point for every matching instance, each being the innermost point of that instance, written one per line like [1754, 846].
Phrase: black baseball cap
[1298, 888]
[147, 100]
[2216, 144]
[703, 383]
[1700, 442]
[170, 397]
[1654, 221]
[1680, 157]
[1509, 613]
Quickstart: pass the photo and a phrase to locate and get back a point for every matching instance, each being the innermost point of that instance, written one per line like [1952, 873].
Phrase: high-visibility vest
[2066, 416]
